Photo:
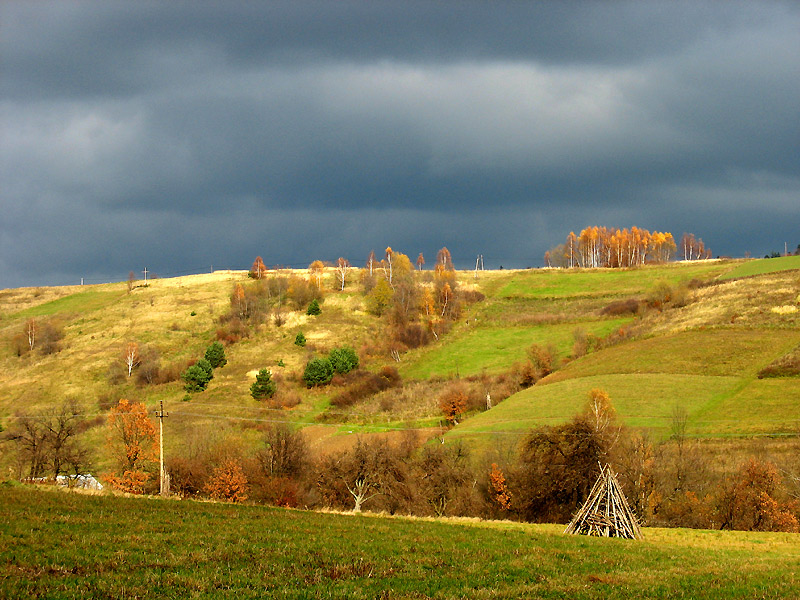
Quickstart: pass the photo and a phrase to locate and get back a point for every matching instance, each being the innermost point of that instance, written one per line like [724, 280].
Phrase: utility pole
[164, 484]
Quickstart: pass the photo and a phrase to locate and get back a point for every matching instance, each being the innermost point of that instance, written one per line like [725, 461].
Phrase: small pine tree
[300, 339]
[313, 308]
[263, 387]
[319, 371]
[198, 376]
[343, 360]
[215, 354]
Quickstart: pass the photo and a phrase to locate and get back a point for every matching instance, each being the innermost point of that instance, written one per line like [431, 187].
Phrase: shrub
[343, 359]
[379, 299]
[313, 308]
[453, 403]
[318, 371]
[363, 384]
[227, 482]
[300, 339]
[263, 387]
[215, 355]
[621, 307]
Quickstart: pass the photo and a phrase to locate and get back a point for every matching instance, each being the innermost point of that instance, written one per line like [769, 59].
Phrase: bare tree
[131, 356]
[47, 442]
[342, 268]
[31, 329]
[285, 453]
[366, 471]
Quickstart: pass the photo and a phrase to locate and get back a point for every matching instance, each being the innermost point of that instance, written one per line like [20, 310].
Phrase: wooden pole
[161, 414]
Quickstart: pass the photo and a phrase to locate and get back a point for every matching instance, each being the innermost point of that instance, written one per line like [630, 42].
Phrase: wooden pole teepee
[606, 512]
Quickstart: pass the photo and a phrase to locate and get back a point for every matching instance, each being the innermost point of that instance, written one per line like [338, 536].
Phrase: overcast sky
[180, 136]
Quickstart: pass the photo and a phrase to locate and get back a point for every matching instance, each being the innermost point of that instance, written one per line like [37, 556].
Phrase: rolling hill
[703, 352]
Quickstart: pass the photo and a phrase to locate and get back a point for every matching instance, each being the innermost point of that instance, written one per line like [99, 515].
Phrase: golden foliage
[228, 482]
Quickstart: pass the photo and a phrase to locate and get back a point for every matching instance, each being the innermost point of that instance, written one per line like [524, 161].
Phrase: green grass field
[471, 351]
[613, 283]
[763, 266]
[67, 545]
[647, 378]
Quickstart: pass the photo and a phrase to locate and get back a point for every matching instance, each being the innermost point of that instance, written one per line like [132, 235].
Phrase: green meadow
[57, 544]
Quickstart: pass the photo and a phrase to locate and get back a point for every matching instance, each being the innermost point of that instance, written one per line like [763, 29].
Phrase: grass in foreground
[55, 544]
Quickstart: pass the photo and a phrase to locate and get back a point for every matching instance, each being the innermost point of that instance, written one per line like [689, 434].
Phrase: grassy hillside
[56, 544]
[704, 354]
[764, 266]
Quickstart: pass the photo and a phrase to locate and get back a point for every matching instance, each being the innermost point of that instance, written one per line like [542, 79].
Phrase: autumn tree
[31, 329]
[379, 299]
[420, 261]
[65, 454]
[131, 437]
[239, 301]
[285, 451]
[498, 489]
[342, 268]
[317, 270]
[693, 247]
[444, 477]
[228, 482]
[47, 442]
[367, 470]
[371, 261]
[752, 501]
[388, 266]
[453, 404]
[258, 270]
[558, 466]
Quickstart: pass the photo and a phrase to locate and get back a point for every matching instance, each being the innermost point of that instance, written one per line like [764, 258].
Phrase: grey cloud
[276, 120]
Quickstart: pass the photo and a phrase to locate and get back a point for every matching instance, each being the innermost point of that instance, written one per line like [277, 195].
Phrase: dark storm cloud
[191, 134]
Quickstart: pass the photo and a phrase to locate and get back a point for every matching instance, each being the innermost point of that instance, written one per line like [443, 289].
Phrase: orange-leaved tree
[317, 269]
[227, 482]
[131, 438]
[498, 489]
[258, 270]
[453, 404]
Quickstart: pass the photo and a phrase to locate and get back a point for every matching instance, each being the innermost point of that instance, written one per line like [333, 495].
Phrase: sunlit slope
[704, 357]
[544, 307]
[763, 266]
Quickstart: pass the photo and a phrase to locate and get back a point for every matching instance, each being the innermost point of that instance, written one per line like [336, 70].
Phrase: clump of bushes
[364, 384]
[620, 308]
[343, 360]
[198, 376]
[320, 371]
[786, 366]
[300, 339]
